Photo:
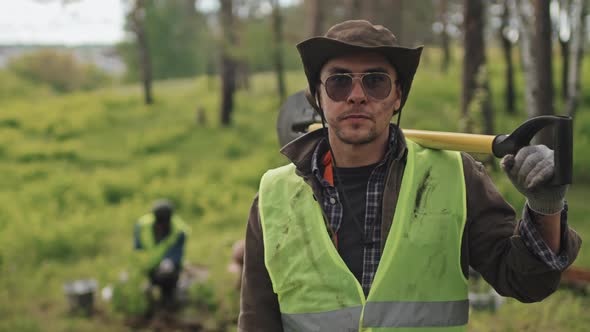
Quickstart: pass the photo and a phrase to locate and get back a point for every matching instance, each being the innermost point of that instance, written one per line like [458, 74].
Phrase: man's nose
[357, 94]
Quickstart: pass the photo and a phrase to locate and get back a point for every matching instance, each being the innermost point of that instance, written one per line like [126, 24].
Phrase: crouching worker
[160, 236]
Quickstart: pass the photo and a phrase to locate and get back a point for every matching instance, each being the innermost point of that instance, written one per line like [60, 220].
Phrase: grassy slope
[78, 170]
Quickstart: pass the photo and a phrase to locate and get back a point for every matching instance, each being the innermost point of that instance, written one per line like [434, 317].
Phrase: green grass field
[78, 170]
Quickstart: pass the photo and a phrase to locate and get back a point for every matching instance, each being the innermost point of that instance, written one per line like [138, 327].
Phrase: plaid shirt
[533, 240]
[334, 210]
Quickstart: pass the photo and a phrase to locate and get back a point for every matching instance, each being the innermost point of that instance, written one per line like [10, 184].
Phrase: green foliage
[257, 37]
[59, 70]
[182, 43]
[563, 311]
[178, 40]
[10, 123]
[19, 324]
[204, 296]
[129, 298]
[14, 86]
[66, 245]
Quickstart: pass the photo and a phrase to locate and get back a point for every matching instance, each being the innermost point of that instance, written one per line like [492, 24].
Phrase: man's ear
[398, 102]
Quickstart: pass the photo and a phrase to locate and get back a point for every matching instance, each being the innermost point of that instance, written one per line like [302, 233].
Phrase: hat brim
[316, 51]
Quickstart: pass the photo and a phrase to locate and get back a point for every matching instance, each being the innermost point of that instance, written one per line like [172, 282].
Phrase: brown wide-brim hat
[356, 36]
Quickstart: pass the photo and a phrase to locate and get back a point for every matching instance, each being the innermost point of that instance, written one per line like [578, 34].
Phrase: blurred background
[108, 105]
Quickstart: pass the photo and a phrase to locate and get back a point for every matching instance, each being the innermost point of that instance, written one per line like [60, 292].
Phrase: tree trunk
[369, 11]
[353, 9]
[507, 52]
[565, 56]
[228, 63]
[543, 65]
[476, 91]
[444, 36]
[394, 18]
[535, 26]
[524, 16]
[210, 72]
[278, 50]
[579, 8]
[315, 12]
[138, 21]
[564, 39]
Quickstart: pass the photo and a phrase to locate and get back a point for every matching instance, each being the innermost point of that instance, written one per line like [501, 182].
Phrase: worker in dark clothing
[160, 236]
[366, 230]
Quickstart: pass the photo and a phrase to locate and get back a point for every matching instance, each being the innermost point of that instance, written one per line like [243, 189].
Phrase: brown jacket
[489, 242]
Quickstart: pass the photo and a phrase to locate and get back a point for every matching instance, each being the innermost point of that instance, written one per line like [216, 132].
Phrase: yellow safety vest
[419, 284]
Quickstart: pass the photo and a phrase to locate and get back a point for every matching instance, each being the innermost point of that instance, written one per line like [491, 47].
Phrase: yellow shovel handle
[451, 141]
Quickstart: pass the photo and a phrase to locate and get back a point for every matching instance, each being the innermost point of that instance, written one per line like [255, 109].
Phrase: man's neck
[351, 155]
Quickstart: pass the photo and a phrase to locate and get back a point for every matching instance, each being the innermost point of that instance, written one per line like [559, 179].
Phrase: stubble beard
[363, 140]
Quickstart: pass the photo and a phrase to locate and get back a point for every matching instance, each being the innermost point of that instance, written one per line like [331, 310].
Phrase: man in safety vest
[367, 231]
[160, 237]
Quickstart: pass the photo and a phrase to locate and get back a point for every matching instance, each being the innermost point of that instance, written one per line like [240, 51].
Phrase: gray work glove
[530, 171]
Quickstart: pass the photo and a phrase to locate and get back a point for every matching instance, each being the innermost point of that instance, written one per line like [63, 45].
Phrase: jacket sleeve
[496, 250]
[259, 305]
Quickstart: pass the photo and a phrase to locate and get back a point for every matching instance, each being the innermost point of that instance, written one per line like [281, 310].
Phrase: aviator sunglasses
[375, 85]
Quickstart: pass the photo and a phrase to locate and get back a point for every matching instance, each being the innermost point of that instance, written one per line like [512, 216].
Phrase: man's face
[359, 118]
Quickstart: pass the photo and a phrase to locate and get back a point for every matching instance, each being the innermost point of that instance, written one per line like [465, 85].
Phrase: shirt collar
[317, 165]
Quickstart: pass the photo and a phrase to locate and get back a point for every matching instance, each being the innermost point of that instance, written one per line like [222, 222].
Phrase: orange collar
[328, 173]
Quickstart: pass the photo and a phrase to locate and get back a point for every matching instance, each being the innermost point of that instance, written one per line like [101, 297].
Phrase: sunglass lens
[338, 87]
[377, 85]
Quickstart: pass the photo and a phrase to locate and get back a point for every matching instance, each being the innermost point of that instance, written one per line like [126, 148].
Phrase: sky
[79, 22]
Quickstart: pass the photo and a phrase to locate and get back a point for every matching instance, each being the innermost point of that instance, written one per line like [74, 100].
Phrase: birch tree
[508, 36]
[564, 34]
[578, 13]
[476, 91]
[535, 31]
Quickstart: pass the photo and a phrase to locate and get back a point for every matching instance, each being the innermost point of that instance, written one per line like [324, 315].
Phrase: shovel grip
[562, 143]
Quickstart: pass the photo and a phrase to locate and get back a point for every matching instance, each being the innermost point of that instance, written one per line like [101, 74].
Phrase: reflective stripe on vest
[416, 314]
[337, 320]
[383, 314]
[419, 284]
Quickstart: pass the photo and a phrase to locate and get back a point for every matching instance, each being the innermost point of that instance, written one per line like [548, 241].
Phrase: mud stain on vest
[313, 258]
[306, 236]
[297, 194]
[340, 300]
[422, 193]
[284, 234]
[438, 263]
